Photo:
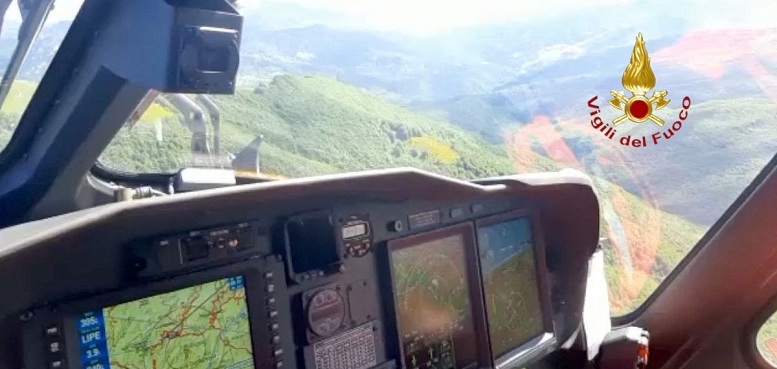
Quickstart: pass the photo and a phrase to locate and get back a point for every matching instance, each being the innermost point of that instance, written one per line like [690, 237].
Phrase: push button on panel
[244, 239]
[54, 347]
[52, 331]
[476, 208]
[196, 248]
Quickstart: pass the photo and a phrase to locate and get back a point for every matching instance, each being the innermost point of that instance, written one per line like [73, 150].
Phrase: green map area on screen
[431, 285]
[201, 327]
[510, 284]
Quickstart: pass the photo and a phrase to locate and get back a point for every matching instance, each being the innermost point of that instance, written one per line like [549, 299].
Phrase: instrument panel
[345, 284]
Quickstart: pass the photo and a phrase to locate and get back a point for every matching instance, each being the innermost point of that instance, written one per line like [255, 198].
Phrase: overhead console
[384, 269]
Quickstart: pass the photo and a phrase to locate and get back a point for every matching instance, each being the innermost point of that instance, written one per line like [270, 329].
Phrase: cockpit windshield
[30, 34]
[670, 108]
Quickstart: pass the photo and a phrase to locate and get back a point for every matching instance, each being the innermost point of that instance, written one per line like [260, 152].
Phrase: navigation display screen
[510, 284]
[200, 327]
[433, 303]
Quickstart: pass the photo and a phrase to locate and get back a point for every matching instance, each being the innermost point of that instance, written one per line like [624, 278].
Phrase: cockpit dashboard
[383, 269]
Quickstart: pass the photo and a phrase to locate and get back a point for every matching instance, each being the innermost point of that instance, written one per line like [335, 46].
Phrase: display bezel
[544, 340]
[255, 300]
[467, 231]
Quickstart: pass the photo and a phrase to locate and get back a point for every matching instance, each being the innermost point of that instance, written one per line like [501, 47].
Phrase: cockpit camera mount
[207, 49]
[208, 60]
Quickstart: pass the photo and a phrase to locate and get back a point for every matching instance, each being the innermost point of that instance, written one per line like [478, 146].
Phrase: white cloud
[429, 16]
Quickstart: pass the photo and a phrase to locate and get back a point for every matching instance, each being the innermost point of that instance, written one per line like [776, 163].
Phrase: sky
[433, 16]
[411, 16]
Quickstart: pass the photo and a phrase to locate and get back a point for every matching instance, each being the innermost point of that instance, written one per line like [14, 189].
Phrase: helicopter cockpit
[232, 267]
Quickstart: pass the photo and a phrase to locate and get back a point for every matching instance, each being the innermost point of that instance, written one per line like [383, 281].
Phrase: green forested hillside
[316, 125]
[720, 147]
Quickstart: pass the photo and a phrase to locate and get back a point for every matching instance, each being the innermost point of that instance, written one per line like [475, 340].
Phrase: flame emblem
[638, 78]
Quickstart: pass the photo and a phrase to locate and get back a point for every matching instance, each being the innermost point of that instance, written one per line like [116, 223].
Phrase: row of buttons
[272, 314]
[198, 247]
[431, 217]
[54, 347]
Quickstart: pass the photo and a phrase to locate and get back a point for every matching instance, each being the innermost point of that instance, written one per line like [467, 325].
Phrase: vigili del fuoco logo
[638, 79]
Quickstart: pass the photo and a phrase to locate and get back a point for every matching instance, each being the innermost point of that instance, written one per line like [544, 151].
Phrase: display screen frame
[477, 308]
[253, 279]
[546, 339]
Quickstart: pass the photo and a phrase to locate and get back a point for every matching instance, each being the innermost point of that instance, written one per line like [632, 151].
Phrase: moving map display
[510, 284]
[433, 303]
[200, 327]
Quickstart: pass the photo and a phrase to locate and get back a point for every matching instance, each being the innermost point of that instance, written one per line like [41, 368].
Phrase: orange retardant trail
[557, 149]
[711, 53]
[771, 345]
[642, 230]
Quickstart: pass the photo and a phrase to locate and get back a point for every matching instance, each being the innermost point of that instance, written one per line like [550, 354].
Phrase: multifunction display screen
[200, 327]
[433, 302]
[510, 284]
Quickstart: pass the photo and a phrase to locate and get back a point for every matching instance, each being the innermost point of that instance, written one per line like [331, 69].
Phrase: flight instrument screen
[510, 284]
[433, 303]
[200, 327]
